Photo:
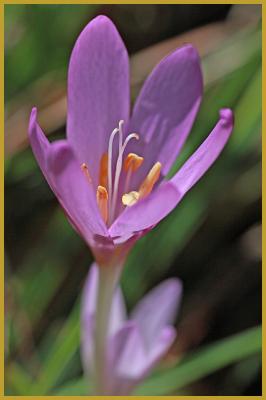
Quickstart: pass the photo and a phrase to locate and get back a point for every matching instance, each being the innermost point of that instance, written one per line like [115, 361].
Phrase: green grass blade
[17, 380]
[78, 387]
[60, 355]
[203, 363]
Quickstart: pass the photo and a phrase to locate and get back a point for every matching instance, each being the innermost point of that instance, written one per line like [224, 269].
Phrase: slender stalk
[108, 278]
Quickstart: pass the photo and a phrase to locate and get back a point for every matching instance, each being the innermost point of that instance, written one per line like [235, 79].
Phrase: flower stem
[108, 278]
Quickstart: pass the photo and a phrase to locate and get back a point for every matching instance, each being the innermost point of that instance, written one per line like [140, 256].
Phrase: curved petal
[161, 346]
[147, 212]
[39, 144]
[196, 166]
[98, 91]
[132, 361]
[156, 206]
[133, 357]
[166, 108]
[65, 178]
[157, 310]
[120, 382]
[73, 190]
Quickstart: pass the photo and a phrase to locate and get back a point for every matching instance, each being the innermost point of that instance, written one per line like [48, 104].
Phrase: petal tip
[191, 50]
[33, 119]
[190, 53]
[101, 19]
[192, 57]
[227, 117]
[97, 24]
[168, 334]
[33, 113]
[175, 291]
[179, 286]
[175, 285]
[101, 22]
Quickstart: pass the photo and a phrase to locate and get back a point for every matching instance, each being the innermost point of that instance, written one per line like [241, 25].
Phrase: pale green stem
[108, 278]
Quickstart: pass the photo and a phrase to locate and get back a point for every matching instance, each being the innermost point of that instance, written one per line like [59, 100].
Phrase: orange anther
[102, 201]
[103, 173]
[133, 161]
[85, 170]
[150, 180]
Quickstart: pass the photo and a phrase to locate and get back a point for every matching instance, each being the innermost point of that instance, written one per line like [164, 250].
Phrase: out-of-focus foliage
[36, 39]
[211, 240]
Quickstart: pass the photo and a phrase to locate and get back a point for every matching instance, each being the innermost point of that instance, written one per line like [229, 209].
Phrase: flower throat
[108, 185]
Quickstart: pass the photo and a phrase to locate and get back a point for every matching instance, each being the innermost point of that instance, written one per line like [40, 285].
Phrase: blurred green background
[212, 240]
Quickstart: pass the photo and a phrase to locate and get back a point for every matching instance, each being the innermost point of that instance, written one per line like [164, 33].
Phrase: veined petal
[63, 173]
[157, 205]
[158, 309]
[166, 108]
[98, 91]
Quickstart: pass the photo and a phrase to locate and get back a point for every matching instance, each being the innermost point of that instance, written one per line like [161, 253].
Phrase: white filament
[113, 190]
[110, 156]
[118, 169]
[120, 124]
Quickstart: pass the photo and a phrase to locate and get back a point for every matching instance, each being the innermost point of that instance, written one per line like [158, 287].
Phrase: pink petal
[119, 381]
[62, 172]
[156, 206]
[166, 108]
[196, 166]
[131, 362]
[162, 345]
[98, 91]
[133, 357]
[158, 309]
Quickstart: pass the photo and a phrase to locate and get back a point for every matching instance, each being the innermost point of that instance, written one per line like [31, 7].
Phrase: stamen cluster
[107, 190]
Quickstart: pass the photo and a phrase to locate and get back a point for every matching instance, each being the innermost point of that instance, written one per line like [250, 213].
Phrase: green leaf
[77, 387]
[203, 363]
[247, 115]
[17, 380]
[60, 355]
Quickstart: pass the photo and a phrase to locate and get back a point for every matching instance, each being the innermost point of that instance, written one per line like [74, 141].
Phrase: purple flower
[135, 345]
[109, 174]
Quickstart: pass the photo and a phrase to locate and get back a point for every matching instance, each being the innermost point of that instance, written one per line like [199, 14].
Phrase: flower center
[107, 191]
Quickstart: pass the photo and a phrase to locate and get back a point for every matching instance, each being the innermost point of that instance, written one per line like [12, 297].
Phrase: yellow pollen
[128, 199]
[150, 180]
[102, 201]
[133, 161]
[103, 173]
[85, 170]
